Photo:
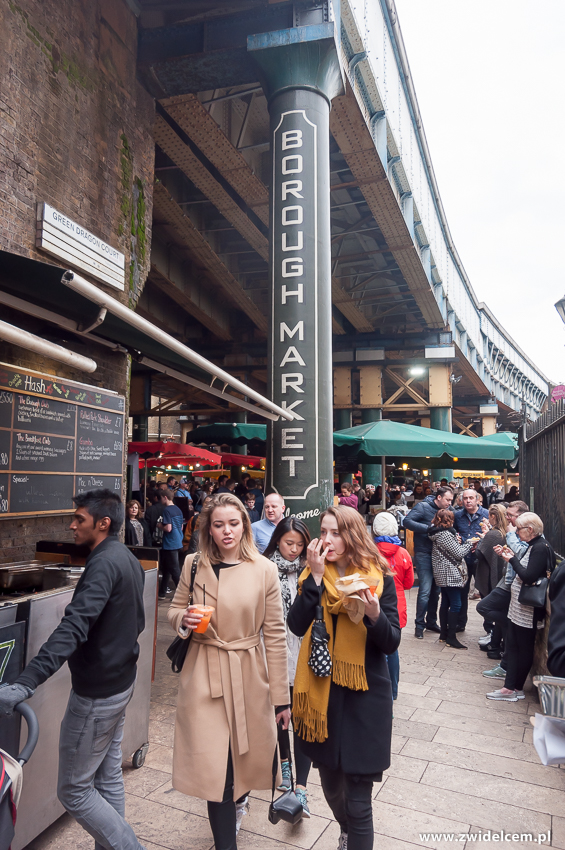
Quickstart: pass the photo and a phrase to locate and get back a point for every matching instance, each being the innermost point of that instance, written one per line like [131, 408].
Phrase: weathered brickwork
[75, 132]
[75, 126]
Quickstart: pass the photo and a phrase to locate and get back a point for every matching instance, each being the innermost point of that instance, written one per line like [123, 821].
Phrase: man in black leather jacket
[418, 521]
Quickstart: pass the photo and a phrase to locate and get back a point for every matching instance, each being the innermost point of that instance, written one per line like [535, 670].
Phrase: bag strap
[193, 577]
[275, 767]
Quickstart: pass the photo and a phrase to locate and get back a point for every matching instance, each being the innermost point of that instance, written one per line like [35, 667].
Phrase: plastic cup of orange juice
[206, 611]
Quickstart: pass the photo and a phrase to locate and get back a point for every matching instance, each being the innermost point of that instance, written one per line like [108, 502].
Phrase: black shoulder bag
[535, 594]
[179, 647]
[287, 807]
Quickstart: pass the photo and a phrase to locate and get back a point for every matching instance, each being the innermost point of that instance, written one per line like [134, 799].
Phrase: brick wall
[76, 126]
[76, 132]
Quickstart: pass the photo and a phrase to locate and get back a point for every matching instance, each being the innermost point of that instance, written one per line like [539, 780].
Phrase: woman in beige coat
[234, 683]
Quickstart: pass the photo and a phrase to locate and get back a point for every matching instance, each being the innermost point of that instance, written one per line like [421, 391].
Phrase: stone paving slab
[460, 764]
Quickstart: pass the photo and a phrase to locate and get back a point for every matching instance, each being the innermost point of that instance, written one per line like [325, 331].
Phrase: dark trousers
[301, 762]
[169, 562]
[518, 654]
[428, 592]
[462, 620]
[222, 815]
[494, 609]
[350, 802]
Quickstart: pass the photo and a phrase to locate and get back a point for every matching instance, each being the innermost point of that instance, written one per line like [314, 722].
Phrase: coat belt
[213, 648]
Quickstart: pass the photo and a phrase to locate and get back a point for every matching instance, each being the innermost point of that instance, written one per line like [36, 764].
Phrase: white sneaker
[241, 809]
[485, 640]
[511, 696]
[342, 843]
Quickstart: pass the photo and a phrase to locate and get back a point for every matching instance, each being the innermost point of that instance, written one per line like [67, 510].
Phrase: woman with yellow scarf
[344, 720]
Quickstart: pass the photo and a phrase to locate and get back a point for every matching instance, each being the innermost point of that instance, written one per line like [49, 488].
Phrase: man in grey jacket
[418, 521]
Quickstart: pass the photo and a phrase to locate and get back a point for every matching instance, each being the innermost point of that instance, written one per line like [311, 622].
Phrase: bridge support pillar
[370, 384]
[301, 74]
[440, 407]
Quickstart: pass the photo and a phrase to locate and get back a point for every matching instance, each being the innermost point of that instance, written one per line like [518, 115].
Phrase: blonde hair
[359, 546]
[498, 513]
[209, 552]
[530, 520]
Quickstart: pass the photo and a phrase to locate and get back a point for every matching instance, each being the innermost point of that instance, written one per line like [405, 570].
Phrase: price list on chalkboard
[57, 438]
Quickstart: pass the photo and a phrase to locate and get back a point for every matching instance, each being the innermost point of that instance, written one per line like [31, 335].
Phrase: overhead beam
[351, 133]
[169, 211]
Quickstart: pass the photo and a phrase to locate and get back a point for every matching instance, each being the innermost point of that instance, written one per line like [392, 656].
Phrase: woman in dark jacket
[137, 529]
[490, 566]
[535, 563]
[344, 720]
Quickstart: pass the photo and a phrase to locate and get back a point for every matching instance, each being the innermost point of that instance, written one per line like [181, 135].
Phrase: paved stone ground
[460, 764]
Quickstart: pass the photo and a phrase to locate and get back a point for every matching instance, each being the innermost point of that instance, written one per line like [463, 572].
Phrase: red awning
[243, 460]
[175, 459]
[188, 453]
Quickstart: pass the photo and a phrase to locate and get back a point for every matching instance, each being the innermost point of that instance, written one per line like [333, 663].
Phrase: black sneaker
[419, 633]
[433, 627]
[495, 654]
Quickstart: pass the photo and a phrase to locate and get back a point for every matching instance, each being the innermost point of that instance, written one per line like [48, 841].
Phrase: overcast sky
[489, 76]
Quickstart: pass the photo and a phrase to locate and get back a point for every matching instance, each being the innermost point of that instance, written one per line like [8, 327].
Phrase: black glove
[12, 695]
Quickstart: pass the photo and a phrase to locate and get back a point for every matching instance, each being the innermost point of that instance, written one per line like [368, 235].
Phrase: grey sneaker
[520, 694]
[301, 794]
[285, 781]
[512, 696]
[342, 843]
[495, 673]
[241, 809]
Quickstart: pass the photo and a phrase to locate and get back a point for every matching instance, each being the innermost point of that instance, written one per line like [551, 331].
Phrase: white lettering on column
[298, 328]
[288, 438]
[299, 242]
[286, 406]
[292, 267]
[292, 356]
[292, 381]
[298, 211]
[291, 139]
[292, 164]
[288, 293]
[291, 187]
[292, 465]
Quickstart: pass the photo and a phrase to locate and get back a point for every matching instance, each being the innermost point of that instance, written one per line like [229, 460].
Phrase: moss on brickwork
[134, 212]
[60, 61]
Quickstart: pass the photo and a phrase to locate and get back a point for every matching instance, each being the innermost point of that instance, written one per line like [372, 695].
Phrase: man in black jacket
[418, 521]
[98, 637]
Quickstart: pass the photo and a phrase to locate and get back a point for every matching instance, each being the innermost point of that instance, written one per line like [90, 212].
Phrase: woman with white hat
[385, 529]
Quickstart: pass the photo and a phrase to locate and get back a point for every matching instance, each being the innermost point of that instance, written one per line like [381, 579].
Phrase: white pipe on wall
[17, 336]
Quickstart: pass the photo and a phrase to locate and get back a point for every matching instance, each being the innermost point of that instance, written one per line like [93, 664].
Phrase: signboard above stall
[78, 247]
[57, 438]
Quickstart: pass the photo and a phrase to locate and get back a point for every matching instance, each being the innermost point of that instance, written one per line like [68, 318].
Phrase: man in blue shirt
[171, 552]
[263, 530]
[468, 524]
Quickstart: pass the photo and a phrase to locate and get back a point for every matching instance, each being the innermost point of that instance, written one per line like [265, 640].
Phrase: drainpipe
[17, 336]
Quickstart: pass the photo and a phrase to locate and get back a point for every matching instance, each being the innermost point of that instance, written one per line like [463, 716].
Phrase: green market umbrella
[375, 441]
[227, 433]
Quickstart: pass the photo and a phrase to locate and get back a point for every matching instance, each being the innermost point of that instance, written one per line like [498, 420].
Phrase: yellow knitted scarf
[311, 692]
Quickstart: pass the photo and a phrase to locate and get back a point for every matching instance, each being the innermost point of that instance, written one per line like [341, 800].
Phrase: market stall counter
[36, 594]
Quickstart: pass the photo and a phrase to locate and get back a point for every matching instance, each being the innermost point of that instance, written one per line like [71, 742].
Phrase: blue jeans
[451, 599]
[428, 592]
[91, 786]
[393, 662]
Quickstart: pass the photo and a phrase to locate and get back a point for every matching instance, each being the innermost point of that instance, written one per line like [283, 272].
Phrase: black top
[542, 560]
[419, 520]
[359, 722]
[556, 636]
[98, 633]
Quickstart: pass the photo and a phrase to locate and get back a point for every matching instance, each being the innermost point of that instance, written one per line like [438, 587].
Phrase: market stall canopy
[243, 460]
[227, 433]
[169, 460]
[170, 449]
[374, 440]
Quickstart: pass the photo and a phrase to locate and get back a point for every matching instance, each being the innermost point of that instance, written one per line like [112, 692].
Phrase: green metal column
[140, 424]
[300, 74]
[342, 420]
[373, 473]
[440, 419]
[235, 471]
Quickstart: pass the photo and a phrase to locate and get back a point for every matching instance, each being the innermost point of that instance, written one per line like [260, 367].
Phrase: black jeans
[494, 609]
[518, 654]
[350, 801]
[301, 762]
[169, 562]
[222, 815]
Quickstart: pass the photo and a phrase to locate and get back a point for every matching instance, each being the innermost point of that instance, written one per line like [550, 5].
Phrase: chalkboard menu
[57, 438]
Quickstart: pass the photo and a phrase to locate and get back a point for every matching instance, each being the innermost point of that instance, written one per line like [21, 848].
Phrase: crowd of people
[302, 633]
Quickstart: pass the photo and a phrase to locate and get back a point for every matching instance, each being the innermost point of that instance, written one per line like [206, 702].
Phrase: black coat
[556, 637]
[131, 537]
[359, 722]
[419, 520]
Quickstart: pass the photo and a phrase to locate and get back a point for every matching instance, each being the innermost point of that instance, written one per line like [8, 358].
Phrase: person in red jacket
[385, 529]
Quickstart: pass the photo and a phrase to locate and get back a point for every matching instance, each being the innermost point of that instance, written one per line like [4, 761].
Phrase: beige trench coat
[232, 678]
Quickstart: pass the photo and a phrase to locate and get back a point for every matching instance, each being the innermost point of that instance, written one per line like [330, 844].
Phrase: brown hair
[519, 506]
[209, 552]
[443, 519]
[129, 505]
[497, 516]
[359, 546]
[347, 486]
